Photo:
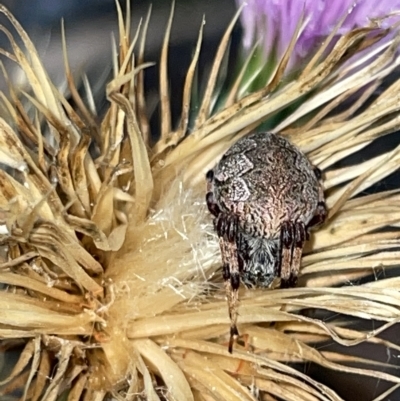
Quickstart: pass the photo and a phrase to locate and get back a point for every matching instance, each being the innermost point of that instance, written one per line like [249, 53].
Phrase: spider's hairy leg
[322, 211]
[212, 205]
[227, 227]
[320, 215]
[317, 172]
[287, 242]
[210, 198]
[300, 236]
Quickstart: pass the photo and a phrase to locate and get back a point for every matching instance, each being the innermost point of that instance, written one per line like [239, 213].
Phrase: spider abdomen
[264, 178]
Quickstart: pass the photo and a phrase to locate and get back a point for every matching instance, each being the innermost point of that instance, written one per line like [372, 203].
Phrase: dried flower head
[111, 275]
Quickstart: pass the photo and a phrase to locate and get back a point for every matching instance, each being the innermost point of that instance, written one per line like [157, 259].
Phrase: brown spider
[265, 195]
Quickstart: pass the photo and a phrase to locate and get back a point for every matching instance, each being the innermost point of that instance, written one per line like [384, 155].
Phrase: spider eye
[210, 175]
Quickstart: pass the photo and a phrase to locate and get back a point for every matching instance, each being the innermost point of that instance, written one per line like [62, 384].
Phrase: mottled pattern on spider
[265, 195]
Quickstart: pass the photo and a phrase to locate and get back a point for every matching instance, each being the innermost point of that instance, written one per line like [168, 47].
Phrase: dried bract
[265, 195]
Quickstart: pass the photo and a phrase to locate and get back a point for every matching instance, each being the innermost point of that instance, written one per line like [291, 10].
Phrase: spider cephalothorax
[265, 195]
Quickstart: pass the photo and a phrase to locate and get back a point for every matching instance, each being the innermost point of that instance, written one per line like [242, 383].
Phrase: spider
[264, 195]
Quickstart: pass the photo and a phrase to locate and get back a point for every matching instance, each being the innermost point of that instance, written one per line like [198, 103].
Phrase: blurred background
[90, 25]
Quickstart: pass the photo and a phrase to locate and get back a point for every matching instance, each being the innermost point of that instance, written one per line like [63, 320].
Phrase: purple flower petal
[273, 22]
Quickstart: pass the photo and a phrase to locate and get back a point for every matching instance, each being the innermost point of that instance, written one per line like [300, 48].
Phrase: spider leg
[212, 204]
[210, 197]
[300, 237]
[317, 172]
[227, 227]
[322, 211]
[287, 242]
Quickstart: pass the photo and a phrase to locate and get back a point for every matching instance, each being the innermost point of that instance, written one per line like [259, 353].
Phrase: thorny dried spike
[265, 195]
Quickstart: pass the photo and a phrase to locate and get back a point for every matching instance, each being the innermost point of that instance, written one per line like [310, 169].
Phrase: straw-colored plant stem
[110, 281]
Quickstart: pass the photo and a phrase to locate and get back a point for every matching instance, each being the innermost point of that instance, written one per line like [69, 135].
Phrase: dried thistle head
[111, 277]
